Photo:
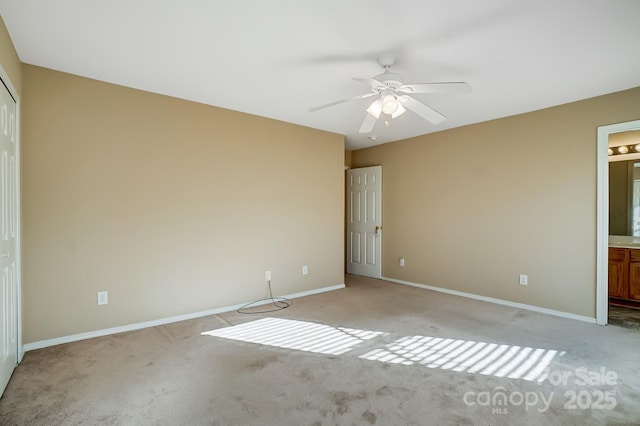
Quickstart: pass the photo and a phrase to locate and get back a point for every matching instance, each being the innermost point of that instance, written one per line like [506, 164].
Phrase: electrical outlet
[402, 262]
[103, 297]
[305, 270]
[267, 275]
[524, 279]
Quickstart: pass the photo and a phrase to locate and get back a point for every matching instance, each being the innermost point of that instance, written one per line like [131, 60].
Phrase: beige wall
[472, 208]
[9, 58]
[347, 158]
[171, 206]
[624, 138]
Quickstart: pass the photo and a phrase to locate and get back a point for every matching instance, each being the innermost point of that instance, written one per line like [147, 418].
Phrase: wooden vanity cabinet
[624, 273]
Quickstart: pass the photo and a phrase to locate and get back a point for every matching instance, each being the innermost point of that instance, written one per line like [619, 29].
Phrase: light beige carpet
[373, 353]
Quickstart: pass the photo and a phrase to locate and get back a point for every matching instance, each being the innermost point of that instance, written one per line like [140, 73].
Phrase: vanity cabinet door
[618, 269]
[634, 275]
[634, 281]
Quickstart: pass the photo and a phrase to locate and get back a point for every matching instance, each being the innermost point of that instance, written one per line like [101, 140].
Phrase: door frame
[602, 216]
[14, 93]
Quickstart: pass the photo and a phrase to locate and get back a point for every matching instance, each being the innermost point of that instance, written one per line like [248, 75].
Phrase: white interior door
[8, 238]
[364, 221]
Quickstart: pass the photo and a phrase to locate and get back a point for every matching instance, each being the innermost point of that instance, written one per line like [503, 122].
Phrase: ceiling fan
[393, 96]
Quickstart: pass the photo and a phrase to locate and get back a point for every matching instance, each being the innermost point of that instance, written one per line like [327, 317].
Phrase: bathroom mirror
[624, 183]
[624, 198]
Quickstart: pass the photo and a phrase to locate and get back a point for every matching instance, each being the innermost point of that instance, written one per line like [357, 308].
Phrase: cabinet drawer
[634, 255]
[618, 254]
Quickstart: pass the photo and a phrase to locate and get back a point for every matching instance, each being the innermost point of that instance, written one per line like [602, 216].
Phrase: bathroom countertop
[622, 241]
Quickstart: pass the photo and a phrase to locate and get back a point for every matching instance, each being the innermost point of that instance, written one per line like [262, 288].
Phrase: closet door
[8, 238]
[364, 221]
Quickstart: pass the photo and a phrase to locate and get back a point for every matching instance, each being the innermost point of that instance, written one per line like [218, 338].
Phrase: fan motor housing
[390, 79]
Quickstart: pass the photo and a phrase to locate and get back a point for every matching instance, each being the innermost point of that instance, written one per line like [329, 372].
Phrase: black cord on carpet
[280, 303]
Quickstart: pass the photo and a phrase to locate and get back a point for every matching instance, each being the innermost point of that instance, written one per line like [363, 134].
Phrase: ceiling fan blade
[368, 123]
[422, 110]
[449, 87]
[355, 98]
[375, 84]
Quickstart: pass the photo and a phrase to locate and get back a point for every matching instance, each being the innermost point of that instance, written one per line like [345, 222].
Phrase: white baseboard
[137, 326]
[497, 301]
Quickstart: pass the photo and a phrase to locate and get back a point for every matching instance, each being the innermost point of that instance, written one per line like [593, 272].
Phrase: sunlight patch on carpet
[298, 335]
[514, 362]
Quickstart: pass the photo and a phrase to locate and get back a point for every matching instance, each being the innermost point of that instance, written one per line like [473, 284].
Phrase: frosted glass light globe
[389, 104]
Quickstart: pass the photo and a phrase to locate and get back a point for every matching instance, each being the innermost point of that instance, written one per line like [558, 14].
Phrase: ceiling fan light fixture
[375, 108]
[390, 104]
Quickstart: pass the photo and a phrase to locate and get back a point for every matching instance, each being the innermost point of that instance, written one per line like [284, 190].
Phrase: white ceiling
[279, 58]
